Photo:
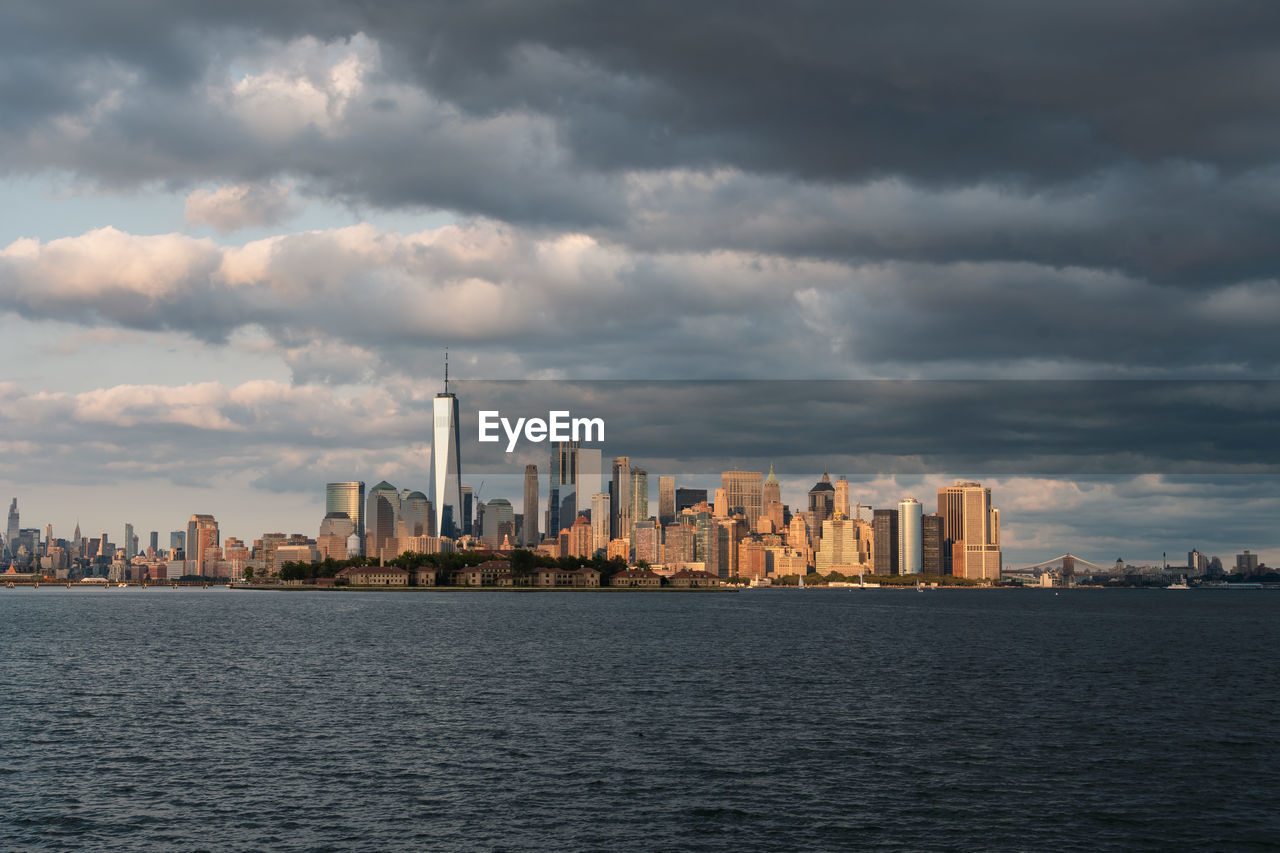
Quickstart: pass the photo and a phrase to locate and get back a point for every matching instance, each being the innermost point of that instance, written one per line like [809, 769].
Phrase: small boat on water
[1181, 584]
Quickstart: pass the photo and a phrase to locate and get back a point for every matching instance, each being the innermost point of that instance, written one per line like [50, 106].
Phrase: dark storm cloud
[1032, 428]
[847, 90]
[935, 92]
[1000, 187]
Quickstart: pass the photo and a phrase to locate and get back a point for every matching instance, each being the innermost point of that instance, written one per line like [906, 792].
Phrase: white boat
[1181, 584]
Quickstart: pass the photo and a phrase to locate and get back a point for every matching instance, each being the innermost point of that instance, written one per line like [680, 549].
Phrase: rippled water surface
[762, 720]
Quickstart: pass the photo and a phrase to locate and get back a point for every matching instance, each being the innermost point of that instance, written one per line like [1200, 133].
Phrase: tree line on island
[524, 563]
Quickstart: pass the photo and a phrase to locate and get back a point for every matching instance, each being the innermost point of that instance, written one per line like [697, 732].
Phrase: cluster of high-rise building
[741, 529]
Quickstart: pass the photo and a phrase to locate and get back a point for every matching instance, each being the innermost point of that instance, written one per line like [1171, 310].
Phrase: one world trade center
[446, 462]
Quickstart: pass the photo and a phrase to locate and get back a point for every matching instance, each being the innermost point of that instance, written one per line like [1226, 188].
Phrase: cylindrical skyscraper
[910, 537]
[346, 497]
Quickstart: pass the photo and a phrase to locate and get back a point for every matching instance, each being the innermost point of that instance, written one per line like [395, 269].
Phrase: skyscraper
[842, 497]
[822, 500]
[446, 461]
[620, 499]
[971, 531]
[639, 497]
[601, 518]
[415, 514]
[336, 528]
[562, 477]
[931, 539]
[469, 509]
[11, 532]
[499, 522]
[346, 497]
[382, 514]
[130, 551]
[744, 492]
[838, 549]
[666, 500]
[587, 478]
[645, 539]
[884, 536]
[530, 536]
[202, 534]
[686, 498]
[771, 501]
[155, 541]
[910, 537]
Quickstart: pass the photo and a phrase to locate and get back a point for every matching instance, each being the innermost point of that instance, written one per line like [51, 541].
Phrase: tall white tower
[446, 461]
[910, 537]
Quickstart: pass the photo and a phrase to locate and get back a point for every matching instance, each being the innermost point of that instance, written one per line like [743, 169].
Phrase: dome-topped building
[822, 499]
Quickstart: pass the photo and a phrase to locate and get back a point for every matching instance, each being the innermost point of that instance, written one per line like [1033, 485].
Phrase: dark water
[762, 720]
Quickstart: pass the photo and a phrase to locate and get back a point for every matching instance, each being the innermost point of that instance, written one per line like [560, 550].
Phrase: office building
[884, 529]
[202, 536]
[415, 516]
[771, 497]
[680, 543]
[346, 497]
[446, 462]
[562, 478]
[601, 518]
[335, 530]
[620, 498]
[639, 497]
[686, 498]
[529, 529]
[382, 517]
[469, 512]
[931, 544]
[838, 549]
[588, 478]
[744, 493]
[971, 531]
[822, 500]
[666, 500]
[910, 537]
[499, 523]
[581, 539]
[842, 497]
[646, 540]
[11, 531]
[130, 543]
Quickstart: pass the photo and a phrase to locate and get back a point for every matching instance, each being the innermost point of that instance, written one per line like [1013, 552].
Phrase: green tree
[522, 565]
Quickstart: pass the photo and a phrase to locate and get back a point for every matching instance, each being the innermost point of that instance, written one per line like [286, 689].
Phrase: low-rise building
[689, 579]
[374, 576]
[488, 573]
[637, 578]
[546, 577]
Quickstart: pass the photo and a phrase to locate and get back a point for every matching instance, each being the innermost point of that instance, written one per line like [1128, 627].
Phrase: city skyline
[1217, 497]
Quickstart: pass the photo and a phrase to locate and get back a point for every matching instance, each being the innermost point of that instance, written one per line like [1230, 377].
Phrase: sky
[235, 242]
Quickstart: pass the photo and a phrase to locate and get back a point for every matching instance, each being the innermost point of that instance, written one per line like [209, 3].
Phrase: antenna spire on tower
[446, 370]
